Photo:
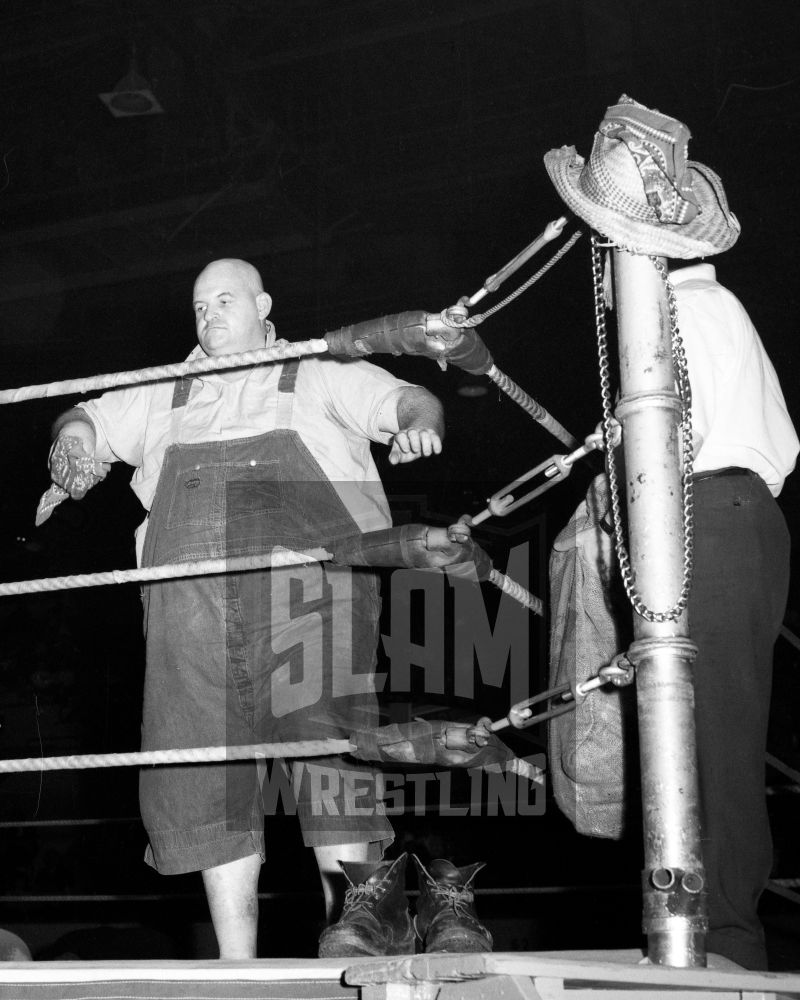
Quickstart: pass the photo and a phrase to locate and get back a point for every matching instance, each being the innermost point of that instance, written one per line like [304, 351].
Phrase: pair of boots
[376, 921]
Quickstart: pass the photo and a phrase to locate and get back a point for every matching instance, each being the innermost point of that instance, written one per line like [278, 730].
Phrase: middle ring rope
[191, 755]
[171, 571]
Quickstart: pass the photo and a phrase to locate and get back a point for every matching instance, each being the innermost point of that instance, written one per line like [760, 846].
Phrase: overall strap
[180, 397]
[286, 385]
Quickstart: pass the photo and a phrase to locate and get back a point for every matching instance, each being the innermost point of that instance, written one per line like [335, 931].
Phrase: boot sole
[342, 948]
[460, 944]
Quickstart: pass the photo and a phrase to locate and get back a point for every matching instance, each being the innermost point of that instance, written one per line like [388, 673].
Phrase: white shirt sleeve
[120, 420]
[362, 397]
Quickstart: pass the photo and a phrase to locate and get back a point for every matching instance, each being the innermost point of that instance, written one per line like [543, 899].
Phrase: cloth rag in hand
[74, 474]
[51, 498]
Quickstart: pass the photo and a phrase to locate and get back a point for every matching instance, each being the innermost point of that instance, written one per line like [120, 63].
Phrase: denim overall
[260, 656]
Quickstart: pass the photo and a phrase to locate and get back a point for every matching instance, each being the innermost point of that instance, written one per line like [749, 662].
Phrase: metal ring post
[674, 908]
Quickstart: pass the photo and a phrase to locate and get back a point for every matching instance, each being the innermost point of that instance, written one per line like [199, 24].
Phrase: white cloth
[739, 415]
[339, 408]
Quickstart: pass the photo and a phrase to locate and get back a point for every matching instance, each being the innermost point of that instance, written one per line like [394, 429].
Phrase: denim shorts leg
[197, 816]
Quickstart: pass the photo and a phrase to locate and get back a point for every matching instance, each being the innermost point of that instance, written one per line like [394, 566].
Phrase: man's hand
[73, 468]
[416, 442]
[421, 426]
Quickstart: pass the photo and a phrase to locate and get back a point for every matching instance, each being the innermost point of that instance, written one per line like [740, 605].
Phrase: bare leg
[232, 893]
[334, 883]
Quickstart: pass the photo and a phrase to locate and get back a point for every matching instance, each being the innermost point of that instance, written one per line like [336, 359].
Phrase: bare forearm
[76, 423]
[420, 420]
[417, 408]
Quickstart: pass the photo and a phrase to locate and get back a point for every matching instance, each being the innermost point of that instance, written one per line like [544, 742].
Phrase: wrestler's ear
[263, 304]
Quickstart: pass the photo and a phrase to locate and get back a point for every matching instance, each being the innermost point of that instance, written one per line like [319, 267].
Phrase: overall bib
[260, 656]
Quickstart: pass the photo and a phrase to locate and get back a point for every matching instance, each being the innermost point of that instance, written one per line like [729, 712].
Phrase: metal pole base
[681, 944]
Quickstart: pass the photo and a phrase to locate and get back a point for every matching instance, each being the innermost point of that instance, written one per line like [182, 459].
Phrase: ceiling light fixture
[472, 387]
[132, 96]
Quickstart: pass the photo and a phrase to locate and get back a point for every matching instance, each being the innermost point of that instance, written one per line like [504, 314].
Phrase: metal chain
[681, 369]
[685, 395]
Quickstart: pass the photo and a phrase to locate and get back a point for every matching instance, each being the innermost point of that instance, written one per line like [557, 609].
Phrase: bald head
[231, 308]
[238, 270]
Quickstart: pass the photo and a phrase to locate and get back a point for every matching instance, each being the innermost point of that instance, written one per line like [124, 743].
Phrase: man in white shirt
[745, 446]
[235, 463]
[641, 192]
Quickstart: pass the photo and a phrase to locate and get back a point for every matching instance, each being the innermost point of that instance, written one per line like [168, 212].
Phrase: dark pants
[738, 599]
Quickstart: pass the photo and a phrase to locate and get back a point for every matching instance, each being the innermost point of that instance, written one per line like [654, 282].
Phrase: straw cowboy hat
[639, 190]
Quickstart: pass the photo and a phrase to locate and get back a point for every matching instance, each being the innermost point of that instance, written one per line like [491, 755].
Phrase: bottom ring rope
[192, 755]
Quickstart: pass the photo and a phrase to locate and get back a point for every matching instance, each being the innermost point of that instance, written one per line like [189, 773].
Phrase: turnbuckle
[564, 697]
[456, 317]
[555, 469]
[559, 699]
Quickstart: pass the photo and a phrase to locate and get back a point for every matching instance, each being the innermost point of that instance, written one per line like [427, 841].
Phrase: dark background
[370, 157]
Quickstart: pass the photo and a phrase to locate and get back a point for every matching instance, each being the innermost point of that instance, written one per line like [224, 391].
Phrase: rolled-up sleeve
[120, 419]
[364, 397]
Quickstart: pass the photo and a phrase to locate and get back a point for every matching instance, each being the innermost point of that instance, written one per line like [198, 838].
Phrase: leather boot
[446, 919]
[375, 919]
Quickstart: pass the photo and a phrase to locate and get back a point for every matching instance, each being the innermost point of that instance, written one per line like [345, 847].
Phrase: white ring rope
[279, 352]
[531, 407]
[171, 571]
[516, 591]
[280, 558]
[193, 755]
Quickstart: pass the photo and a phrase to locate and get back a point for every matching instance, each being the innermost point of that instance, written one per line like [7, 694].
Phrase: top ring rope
[530, 406]
[279, 352]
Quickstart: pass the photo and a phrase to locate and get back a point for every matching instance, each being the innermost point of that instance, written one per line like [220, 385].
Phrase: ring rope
[517, 592]
[531, 407]
[192, 755]
[278, 352]
[168, 571]
[211, 567]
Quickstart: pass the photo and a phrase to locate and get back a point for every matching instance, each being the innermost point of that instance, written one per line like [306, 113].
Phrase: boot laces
[359, 895]
[457, 898]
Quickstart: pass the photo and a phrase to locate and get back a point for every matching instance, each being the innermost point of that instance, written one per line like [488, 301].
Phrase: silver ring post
[674, 903]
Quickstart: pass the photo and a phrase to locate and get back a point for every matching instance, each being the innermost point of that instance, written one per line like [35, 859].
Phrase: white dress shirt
[739, 415]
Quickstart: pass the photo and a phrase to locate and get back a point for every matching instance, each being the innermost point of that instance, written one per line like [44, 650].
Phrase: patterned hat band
[611, 180]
